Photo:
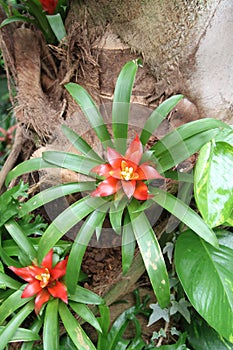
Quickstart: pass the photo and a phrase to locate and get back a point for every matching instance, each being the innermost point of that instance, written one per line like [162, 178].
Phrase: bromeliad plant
[45, 291]
[47, 15]
[123, 185]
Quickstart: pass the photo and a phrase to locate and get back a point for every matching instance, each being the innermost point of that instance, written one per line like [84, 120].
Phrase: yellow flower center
[127, 173]
[44, 278]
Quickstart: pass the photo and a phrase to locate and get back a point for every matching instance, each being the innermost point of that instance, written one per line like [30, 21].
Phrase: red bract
[49, 5]
[126, 173]
[43, 280]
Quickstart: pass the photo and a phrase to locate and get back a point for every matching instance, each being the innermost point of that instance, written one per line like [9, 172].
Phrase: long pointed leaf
[86, 296]
[75, 331]
[65, 221]
[20, 238]
[185, 214]
[79, 246]
[157, 116]
[80, 144]
[152, 256]
[11, 304]
[9, 282]
[23, 334]
[53, 193]
[50, 330]
[27, 167]
[71, 161]
[128, 244]
[121, 104]
[9, 331]
[84, 100]
[86, 314]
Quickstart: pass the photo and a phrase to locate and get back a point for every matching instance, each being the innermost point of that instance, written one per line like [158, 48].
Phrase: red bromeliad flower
[44, 280]
[126, 173]
[49, 5]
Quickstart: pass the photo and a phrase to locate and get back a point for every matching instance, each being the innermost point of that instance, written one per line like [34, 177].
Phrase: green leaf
[8, 332]
[213, 183]
[85, 296]
[104, 321]
[80, 144]
[53, 193]
[9, 282]
[202, 336]
[22, 241]
[184, 141]
[84, 100]
[152, 256]
[27, 167]
[75, 331]
[57, 26]
[157, 314]
[128, 244]
[119, 326]
[65, 221]
[50, 330]
[86, 314]
[35, 327]
[79, 246]
[71, 161]
[16, 19]
[185, 214]
[157, 116]
[116, 214]
[23, 334]
[206, 276]
[225, 135]
[11, 304]
[121, 104]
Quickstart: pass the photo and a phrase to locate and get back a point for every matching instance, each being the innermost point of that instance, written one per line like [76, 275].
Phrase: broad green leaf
[8, 332]
[213, 183]
[11, 304]
[23, 334]
[121, 104]
[53, 193]
[157, 116]
[50, 329]
[104, 321]
[205, 273]
[202, 336]
[152, 256]
[22, 241]
[85, 296]
[80, 144]
[27, 167]
[87, 105]
[79, 246]
[57, 26]
[71, 161]
[65, 221]
[75, 331]
[128, 244]
[86, 314]
[185, 214]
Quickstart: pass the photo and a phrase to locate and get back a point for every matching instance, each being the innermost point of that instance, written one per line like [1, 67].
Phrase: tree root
[15, 151]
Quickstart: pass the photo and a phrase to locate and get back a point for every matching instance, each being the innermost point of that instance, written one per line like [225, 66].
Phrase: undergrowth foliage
[124, 185]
